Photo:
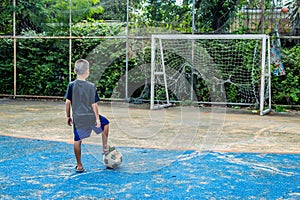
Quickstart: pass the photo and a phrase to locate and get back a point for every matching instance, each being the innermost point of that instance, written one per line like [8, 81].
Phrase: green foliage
[231, 93]
[256, 3]
[202, 91]
[60, 10]
[113, 10]
[6, 66]
[229, 67]
[45, 15]
[27, 15]
[210, 16]
[6, 17]
[42, 67]
[214, 16]
[111, 76]
[43, 64]
[282, 108]
[96, 27]
[285, 89]
[162, 14]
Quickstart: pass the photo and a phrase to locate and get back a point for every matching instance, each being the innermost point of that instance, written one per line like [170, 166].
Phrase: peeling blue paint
[37, 169]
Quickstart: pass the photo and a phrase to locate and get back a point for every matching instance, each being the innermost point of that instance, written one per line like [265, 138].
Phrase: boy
[82, 97]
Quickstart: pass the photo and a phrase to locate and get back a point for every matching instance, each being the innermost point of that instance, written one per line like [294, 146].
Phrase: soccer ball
[113, 159]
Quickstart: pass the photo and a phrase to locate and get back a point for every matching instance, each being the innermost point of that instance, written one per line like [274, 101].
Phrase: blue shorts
[85, 132]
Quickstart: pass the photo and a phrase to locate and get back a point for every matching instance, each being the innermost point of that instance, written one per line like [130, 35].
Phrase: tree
[163, 14]
[112, 10]
[45, 15]
[214, 15]
[81, 10]
[210, 16]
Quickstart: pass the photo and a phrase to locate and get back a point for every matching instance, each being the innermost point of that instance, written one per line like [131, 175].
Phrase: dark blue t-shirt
[82, 95]
[68, 94]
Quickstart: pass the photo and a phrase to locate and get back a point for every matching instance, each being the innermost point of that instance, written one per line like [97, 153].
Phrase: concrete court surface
[175, 153]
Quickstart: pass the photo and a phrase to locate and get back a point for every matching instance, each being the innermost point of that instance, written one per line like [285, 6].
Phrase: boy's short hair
[81, 66]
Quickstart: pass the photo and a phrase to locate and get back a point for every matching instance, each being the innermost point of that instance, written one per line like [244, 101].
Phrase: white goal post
[230, 69]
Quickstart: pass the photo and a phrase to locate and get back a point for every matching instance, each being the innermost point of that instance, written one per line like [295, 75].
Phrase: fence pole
[193, 17]
[70, 42]
[262, 19]
[193, 43]
[127, 50]
[15, 50]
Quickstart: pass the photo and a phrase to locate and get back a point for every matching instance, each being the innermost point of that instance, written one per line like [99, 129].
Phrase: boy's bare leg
[105, 138]
[77, 152]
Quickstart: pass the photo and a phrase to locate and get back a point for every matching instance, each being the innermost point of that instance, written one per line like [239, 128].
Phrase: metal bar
[209, 36]
[262, 83]
[164, 70]
[269, 72]
[289, 37]
[15, 49]
[31, 96]
[70, 43]
[71, 37]
[137, 37]
[125, 101]
[152, 72]
[127, 51]
[207, 102]
[193, 51]
[193, 17]
[262, 18]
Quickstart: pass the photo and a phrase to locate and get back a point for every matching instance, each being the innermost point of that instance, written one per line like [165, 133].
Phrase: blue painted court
[38, 169]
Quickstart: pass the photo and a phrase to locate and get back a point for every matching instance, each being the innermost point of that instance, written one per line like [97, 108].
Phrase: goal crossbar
[207, 36]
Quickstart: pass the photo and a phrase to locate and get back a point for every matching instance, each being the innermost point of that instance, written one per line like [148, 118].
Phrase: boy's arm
[68, 112]
[95, 109]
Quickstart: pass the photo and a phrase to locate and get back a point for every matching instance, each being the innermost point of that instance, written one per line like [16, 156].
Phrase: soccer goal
[223, 69]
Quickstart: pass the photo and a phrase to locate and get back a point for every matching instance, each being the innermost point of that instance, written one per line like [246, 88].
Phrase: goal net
[211, 69]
